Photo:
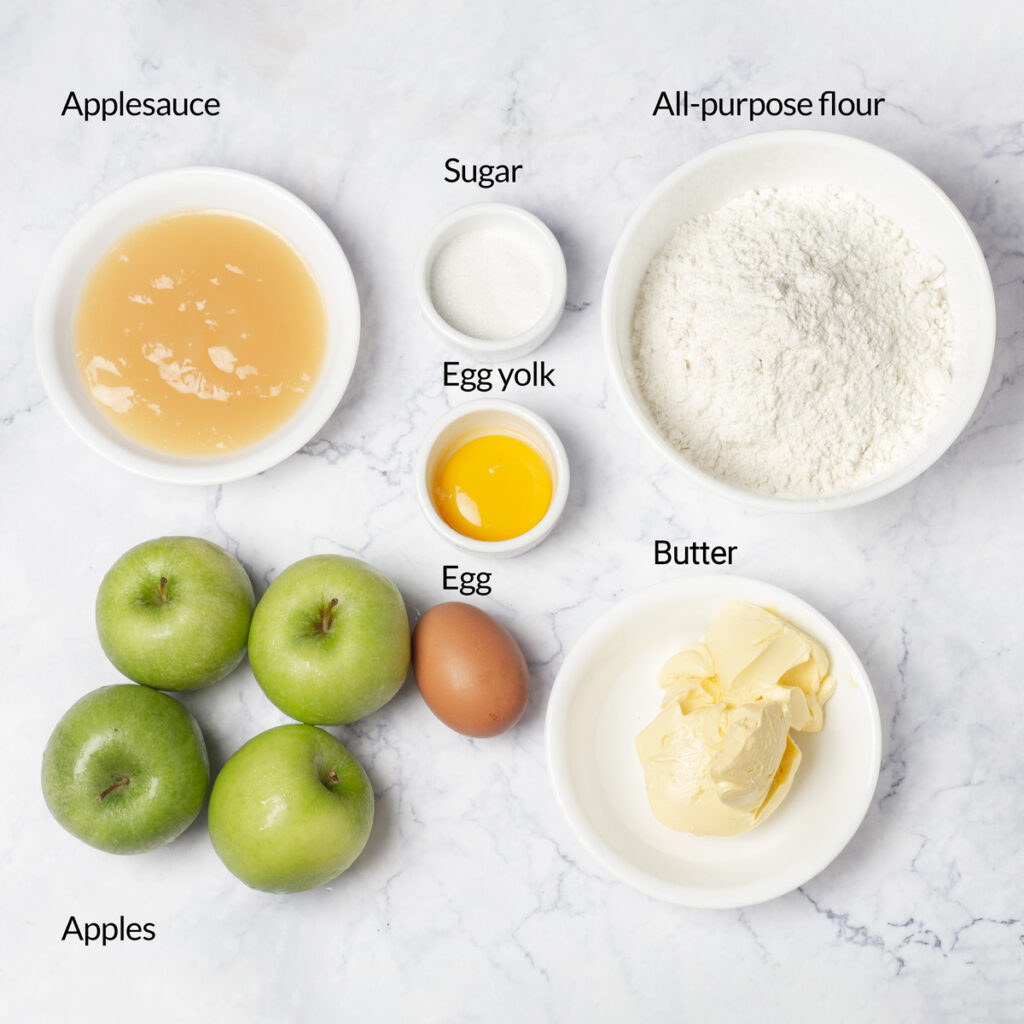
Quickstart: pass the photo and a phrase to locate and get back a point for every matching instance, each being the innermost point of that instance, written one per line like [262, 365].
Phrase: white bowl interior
[179, 191]
[480, 217]
[606, 692]
[789, 159]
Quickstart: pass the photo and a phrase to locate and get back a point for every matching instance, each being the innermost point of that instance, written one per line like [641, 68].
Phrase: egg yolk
[493, 488]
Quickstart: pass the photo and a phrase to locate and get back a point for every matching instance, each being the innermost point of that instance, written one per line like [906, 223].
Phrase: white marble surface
[473, 900]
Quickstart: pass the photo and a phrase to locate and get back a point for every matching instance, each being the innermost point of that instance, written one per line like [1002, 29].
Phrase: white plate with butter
[606, 692]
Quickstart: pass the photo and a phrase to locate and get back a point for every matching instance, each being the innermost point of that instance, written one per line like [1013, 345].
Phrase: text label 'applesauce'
[109, 931]
[482, 175]
[479, 378]
[693, 553]
[466, 583]
[106, 107]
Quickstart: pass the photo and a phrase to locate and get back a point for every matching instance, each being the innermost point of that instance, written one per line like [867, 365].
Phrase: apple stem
[122, 781]
[331, 779]
[162, 589]
[327, 616]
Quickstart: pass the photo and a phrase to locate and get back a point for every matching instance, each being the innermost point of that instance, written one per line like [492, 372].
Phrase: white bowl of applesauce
[198, 325]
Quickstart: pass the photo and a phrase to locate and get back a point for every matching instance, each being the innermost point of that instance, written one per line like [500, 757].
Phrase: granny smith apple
[125, 769]
[290, 810]
[329, 640]
[173, 613]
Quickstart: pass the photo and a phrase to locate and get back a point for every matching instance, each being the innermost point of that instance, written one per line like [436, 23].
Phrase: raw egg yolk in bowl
[493, 488]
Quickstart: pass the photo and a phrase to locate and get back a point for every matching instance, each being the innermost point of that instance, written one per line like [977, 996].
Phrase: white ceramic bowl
[606, 692]
[193, 188]
[477, 217]
[478, 419]
[794, 158]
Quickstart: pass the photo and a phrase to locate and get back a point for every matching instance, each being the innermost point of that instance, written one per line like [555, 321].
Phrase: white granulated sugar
[794, 342]
[490, 283]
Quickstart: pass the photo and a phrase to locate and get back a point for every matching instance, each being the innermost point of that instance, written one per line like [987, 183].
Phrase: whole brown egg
[470, 671]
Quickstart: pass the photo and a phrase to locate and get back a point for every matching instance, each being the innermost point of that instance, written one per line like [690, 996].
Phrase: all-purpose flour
[794, 342]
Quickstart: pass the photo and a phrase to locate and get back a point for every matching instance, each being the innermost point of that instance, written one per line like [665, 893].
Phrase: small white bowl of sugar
[490, 279]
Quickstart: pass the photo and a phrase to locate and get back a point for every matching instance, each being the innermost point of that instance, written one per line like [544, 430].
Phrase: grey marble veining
[474, 901]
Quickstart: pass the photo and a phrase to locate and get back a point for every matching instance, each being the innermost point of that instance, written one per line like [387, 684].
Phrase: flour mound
[794, 342]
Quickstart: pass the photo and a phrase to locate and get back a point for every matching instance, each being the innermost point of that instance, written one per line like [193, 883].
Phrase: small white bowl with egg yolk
[492, 477]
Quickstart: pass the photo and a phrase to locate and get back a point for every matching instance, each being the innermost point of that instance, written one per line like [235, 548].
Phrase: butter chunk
[718, 758]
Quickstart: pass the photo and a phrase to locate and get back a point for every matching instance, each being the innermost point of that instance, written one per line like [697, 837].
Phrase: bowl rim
[928, 456]
[559, 497]
[288, 438]
[501, 348]
[567, 683]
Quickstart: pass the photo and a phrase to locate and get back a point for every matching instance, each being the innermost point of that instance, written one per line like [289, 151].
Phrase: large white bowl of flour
[799, 320]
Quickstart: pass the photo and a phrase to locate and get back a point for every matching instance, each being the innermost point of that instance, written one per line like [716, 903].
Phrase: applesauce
[200, 333]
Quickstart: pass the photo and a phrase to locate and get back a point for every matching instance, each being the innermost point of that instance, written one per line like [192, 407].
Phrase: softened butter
[719, 759]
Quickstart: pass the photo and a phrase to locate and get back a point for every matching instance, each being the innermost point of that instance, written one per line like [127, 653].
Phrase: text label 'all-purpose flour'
[794, 342]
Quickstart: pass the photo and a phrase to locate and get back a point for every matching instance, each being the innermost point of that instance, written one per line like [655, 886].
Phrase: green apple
[173, 613]
[290, 810]
[329, 640]
[125, 769]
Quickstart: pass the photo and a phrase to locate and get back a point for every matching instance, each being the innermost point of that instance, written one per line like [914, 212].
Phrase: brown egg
[470, 671]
